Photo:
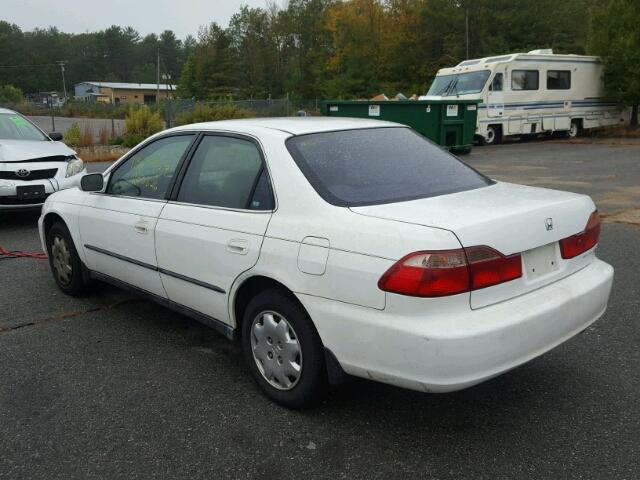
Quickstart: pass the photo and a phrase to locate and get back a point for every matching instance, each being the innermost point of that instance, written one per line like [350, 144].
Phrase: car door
[213, 227]
[117, 226]
[495, 97]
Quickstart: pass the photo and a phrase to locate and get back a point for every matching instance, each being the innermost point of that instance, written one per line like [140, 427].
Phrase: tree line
[30, 60]
[312, 49]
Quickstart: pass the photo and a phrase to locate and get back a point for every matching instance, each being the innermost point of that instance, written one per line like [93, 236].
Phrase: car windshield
[379, 165]
[459, 84]
[16, 127]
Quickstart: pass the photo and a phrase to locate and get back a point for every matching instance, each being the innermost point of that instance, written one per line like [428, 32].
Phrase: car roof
[292, 125]
[6, 110]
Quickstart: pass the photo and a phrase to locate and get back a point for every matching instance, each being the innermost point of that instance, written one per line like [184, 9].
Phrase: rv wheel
[493, 135]
[574, 131]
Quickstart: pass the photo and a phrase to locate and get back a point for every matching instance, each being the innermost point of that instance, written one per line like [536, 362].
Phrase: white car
[335, 245]
[33, 164]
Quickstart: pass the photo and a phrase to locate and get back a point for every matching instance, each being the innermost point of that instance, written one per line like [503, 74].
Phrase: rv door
[495, 98]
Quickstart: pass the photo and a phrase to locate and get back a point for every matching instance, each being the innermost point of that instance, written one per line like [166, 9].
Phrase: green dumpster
[450, 123]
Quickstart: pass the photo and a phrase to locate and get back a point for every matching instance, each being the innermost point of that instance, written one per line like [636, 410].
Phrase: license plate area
[541, 261]
[30, 192]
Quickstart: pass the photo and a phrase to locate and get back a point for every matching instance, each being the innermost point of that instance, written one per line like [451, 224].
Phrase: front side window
[496, 85]
[558, 80]
[379, 165]
[148, 172]
[227, 172]
[16, 127]
[524, 80]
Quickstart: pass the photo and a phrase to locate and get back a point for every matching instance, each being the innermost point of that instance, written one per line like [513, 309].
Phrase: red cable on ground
[4, 253]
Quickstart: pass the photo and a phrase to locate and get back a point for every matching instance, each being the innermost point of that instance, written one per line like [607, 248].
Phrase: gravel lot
[111, 386]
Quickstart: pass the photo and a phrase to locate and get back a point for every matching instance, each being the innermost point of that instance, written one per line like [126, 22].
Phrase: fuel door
[313, 255]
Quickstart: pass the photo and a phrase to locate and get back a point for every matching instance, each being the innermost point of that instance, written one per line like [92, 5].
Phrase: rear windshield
[379, 165]
[16, 127]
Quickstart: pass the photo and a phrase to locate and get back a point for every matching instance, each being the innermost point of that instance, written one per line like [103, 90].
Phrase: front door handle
[141, 227]
[239, 246]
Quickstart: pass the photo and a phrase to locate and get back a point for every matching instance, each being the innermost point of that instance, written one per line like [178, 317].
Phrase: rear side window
[379, 165]
[524, 80]
[227, 172]
[558, 80]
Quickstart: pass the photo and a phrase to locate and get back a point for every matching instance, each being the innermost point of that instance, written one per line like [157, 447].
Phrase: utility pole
[158, 78]
[62, 63]
[467, 32]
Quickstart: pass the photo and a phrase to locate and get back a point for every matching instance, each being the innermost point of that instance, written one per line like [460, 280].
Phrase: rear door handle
[141, 227]
[239, 246]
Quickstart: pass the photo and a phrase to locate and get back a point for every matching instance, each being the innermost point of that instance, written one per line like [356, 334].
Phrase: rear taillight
[448, 272]
[581, 242]
[489, 267]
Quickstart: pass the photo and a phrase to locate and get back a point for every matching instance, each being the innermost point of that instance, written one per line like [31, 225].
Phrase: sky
[147, 16]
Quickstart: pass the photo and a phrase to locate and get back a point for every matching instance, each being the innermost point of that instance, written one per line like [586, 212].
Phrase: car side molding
[179, 276]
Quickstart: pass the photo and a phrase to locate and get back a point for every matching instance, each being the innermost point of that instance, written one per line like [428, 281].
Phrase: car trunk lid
[509, 218]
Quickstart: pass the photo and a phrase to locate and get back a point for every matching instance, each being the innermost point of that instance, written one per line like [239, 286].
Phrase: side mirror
[55, 136]
[93, 182]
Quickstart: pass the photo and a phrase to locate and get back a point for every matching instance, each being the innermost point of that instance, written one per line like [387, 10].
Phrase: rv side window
[558, 80]
[496, 85]
[524, 80]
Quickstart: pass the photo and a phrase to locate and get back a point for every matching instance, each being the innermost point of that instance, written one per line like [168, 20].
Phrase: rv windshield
[459, 84]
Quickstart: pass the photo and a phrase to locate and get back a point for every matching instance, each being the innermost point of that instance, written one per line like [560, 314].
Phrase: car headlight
[74, 167]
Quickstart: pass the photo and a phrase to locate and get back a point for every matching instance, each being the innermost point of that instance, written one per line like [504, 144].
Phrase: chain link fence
[104, 123]
[181, 111]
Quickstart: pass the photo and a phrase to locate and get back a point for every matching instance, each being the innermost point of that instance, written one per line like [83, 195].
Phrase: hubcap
[276, 350]
[61, 259]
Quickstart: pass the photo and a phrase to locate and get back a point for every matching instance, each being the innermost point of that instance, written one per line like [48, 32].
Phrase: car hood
[22, 150]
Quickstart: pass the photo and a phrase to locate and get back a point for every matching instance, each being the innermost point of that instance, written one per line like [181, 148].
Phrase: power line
[30, 66]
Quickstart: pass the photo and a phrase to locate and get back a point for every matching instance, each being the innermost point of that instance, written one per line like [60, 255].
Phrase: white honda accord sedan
[33, 164]
[332, 246]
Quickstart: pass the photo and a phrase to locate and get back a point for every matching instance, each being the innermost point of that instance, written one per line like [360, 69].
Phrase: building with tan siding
[117, 93]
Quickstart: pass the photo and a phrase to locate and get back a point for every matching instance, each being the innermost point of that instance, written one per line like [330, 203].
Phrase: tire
[66, 266]
[283, 350]
[494, 135]
[574, 130]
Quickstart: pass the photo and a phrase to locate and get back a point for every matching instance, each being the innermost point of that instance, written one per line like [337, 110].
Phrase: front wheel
[494, 135]
[283, 350]
[574, 130]
[64, 261]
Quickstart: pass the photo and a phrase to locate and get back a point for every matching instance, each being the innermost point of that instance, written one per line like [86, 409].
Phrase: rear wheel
[65, 263]
[283, 350]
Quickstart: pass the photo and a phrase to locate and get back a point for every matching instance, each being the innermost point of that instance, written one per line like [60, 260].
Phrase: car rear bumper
[450, 351]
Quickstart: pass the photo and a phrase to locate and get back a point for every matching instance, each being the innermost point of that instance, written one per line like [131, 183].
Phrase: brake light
[581, 242]
[449, 272]
[489, 267]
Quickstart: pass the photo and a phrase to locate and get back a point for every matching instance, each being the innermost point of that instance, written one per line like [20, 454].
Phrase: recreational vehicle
[530, 93]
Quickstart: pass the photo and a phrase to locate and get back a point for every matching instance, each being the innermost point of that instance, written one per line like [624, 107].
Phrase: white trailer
[531, 93]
